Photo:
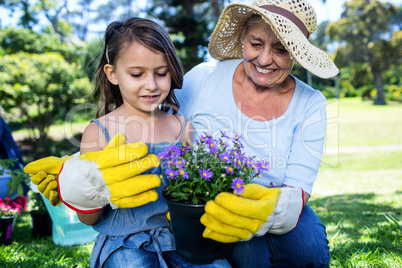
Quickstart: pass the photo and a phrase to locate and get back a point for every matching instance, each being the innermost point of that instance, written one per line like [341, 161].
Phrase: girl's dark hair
[118, 37]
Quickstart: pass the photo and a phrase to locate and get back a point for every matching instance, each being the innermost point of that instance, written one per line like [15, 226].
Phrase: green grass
[358, 196]
[360, 202]
[25, 251]
[352, 122]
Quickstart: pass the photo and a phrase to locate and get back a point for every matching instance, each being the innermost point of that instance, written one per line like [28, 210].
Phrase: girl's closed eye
[136, 75]
[162, 74]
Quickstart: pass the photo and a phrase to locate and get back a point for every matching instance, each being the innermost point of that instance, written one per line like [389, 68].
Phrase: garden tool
[89, 182]
[231, 218]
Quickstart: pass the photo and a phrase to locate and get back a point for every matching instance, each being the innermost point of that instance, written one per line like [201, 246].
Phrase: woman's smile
[263, 71]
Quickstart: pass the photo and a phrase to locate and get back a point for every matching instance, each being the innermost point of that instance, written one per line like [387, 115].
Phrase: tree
[29, 14]
[190, 24]
[365, 31]
[41, 88]
[14, 40]
[83, 14]
[113, 9]
[54, 11]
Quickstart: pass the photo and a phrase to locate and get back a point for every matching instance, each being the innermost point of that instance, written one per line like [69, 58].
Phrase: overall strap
[103, 129]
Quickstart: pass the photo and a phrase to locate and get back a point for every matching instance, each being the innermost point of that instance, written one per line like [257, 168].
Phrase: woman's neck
[261, 103]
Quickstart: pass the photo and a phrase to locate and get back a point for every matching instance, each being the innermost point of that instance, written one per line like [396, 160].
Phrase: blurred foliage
[369, 32]
[36, 202]
[191, 23]
[13, 40]
[18, 176]
[91, 56]
[40, 88]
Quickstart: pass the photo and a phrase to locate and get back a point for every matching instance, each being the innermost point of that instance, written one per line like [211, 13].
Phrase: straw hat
[293, 22]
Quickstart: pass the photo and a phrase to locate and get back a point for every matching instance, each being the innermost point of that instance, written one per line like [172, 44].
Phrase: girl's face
[143, 77]
[267, 63]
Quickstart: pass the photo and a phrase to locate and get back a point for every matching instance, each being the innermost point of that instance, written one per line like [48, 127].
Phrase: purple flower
[263, 165]
[249, 162]
[229, 170]
[171, 173]
[213, 148]
[185, 148]
[223, 134]
[205, 139]
[164, 154]
[238, 186]
[225, 157]
[171, 152]
[223, 143]
[238, 162]
[174, 151]
[234, 153]
[206, 174]
[183, 173]
[180, 163]
[237, 138]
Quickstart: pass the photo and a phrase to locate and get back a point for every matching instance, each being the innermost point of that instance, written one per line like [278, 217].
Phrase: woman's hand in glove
[231, 218]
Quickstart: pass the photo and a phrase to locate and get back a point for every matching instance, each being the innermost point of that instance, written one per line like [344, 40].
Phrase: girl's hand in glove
[47, 181]
[92, 180]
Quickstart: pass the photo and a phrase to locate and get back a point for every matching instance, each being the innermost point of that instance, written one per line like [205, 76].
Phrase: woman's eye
[255, 44]
[281, 50]
[135, 75]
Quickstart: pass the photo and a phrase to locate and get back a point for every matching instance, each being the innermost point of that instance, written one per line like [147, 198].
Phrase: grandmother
[250, 92]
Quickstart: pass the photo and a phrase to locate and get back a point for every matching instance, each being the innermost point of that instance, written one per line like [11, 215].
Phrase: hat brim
[225, 42]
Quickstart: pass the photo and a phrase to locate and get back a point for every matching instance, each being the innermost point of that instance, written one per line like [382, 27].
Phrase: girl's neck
[154, 127]
[127, 111]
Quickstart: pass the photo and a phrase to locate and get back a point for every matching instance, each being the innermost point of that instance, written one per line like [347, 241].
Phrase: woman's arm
[93, 140]
[307, 147]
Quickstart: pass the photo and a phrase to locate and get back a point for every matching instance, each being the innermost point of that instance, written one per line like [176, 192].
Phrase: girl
[136, 78]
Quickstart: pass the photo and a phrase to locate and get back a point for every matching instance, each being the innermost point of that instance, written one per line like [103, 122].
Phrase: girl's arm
[188, 133]
[93, 140]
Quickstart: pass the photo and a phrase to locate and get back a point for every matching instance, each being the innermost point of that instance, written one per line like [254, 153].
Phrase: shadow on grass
[360, 224]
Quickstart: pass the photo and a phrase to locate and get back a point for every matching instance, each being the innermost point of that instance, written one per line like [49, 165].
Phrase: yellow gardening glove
[94, 179]
[47, 185]
[232, 218]
[49, 168]
[47, 181]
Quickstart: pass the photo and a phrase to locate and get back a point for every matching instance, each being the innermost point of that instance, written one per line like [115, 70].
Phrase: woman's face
[266, 61]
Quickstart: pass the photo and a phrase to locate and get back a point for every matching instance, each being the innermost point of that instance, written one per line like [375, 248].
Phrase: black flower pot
[187, 231]
[6, 228]
[41, 224]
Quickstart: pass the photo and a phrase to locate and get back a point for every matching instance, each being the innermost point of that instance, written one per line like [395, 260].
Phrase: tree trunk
[379, 85]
